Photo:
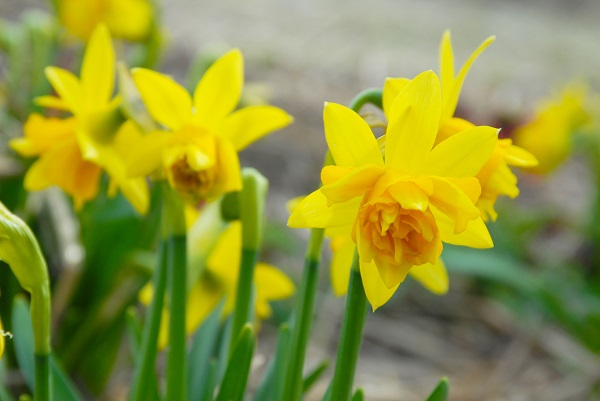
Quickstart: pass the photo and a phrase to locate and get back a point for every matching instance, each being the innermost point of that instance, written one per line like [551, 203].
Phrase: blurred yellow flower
[126, 19]
[548, 135]
[404, 204]
[496, 178]
[197, 153]
[72, 151]
[219, 282]
[2, 334]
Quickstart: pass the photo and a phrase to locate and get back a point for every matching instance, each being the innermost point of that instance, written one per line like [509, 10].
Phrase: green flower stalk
[21, 251]
[251, 203]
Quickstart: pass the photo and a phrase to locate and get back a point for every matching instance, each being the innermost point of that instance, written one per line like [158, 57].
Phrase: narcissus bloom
[72, 151]
[219, 281]
[496, 178]
[126, 19]
[548, 135]
[197, 153]
[404, 204]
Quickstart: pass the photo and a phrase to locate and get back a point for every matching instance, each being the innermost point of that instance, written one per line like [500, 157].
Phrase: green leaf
[440, 393]
[313, 376]
[491, 265]
[203, 349]
[358, 395]
[271, 386]
[63, 388]
[234, 382]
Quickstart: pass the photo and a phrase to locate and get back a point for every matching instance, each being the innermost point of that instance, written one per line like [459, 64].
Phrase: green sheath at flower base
[251, 209]
[20, 250]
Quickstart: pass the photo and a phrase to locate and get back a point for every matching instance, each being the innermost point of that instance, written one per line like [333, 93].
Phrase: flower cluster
[435, 182]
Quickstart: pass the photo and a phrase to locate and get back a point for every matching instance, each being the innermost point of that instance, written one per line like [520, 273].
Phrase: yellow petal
[1, 339]
[434, 277]
[413, 123]
[98, 69]
[463, 154]
[452, 100]
[64, 166]
[409, 195]
[454, 203]
[167, 101]
[376, 291]
[146, 156]
[516, 156]
[391, 89]
[314, 212]
[342, 248]
[43, 133]
[476, 235]
[202, 300]
[349, 137]
[451, 126]
[446, 68]
[67, 86]
[219, 90]
[51, 102]
[230, 178]
[271, 283]
[129, 19]
[252, 123]
[355, 183]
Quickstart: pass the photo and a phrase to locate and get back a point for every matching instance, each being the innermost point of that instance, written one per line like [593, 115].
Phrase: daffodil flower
[548, 135]
[126, 19]
[73, 151]
[495, 177]
[197, 151]
[219, 282]
[404, 204]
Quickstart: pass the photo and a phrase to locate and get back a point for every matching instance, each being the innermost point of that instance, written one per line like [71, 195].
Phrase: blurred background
[496, 334]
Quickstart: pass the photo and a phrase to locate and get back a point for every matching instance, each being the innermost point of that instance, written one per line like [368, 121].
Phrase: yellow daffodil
[495, 177]
[197, 153]
[126, 19]
[219, 281]
[404, 204]
[72, 151]
[548, 135]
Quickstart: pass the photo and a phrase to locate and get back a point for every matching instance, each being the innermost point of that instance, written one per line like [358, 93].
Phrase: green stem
[42, 377]
[243, 296]
[373, 96]
[145, 364]
[176, 358]
[350, 337]
[302, 316]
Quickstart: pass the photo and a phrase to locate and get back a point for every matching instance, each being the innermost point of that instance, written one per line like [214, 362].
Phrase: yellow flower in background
[72, 151]
[197, 153]
[1, 339]
[219, 282]
[548, 135]
[402, 205]
[496, 178]
[126, 19]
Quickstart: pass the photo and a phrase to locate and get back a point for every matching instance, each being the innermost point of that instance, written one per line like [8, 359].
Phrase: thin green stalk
[350, 337]
[303, 316]
[42, 377]
[174, 233]
[145, 363]
[251, 208]
[373, 96]
[243, 294]
[176, 358]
